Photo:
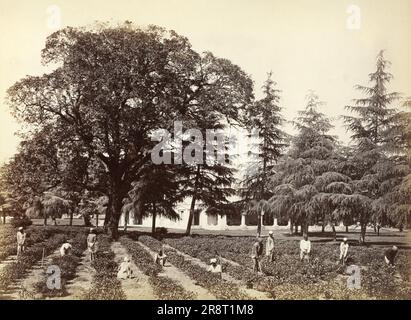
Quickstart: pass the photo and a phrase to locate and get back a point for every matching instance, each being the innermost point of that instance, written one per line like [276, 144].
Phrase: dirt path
[139, 287]
[175, 274]
[7, 261]
[252, 293]
[80, 285]
[23, 289]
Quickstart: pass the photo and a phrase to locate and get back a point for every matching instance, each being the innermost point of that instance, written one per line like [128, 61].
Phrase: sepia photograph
[220, 151]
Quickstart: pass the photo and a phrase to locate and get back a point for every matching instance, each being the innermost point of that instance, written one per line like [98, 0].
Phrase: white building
[205, 221]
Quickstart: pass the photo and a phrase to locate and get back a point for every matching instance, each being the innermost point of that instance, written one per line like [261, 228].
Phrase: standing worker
[305, 248]
[21, 241]
[256, 253]
[269, 250]
[344, 251]
[92, 244]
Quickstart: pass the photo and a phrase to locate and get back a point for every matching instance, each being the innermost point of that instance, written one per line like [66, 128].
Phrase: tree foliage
[379, 156]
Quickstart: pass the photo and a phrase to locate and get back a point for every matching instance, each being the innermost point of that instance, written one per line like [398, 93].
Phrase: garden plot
[105, 285]
[171, 272]
[79, 286]
[164, 288]
[8, 246]
[25, 288]
[288, 278]
[222, 289]
[137, 288]
[68, 268]
[14, 271]
[252, 293]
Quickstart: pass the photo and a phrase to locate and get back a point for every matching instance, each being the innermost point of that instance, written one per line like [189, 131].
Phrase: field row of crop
[287, 275]
[8, 242]
[67, 266]
[284, 278]
[8, 245]
[42, 241]
[220, 288]
[164, 288]
[105, 285]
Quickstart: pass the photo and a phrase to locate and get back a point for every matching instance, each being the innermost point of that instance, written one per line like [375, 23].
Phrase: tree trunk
[112, 226]
[346, 229]
[45, 219]
[304, 228]
[126, 219]
[108, 214]
[334, 232]
[153, 222]
[363, 231]
[191, 216]
[96, 220]
[107, 218]
[323, 228]
[291, 227]
[4, 217]
[193, 203]
[114, 219]
[296, 229]
[71, 217]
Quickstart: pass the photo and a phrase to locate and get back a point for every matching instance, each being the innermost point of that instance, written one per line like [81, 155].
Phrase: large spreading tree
[112, 86]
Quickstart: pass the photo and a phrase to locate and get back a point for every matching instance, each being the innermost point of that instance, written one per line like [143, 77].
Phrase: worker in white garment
[305, 248]
[269, 248]
[344, 251]
[215, 267]
[21, 241]
[65, 249]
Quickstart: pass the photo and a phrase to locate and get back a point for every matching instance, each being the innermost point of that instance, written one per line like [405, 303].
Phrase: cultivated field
[185, 275]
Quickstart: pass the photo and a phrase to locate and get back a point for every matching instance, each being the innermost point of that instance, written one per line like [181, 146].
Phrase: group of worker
[305, 251]
[65, 248]
[125, 269]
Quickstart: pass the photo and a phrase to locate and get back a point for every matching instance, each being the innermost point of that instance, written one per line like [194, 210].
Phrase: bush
[7, 241]
[161, 231]
[23, 221]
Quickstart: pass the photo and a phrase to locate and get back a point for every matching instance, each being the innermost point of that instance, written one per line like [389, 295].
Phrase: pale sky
[306, 43]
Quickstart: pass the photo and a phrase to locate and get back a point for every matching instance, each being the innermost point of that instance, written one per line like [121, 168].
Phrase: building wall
[205, 222]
